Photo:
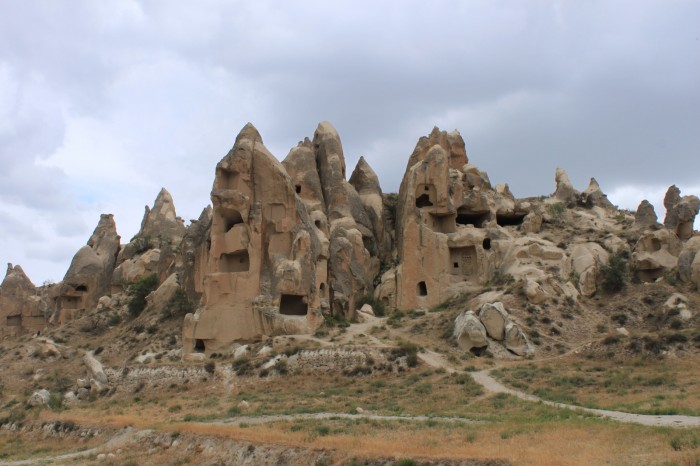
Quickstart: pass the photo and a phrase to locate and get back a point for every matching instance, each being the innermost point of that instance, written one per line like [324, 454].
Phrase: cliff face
[286, 244]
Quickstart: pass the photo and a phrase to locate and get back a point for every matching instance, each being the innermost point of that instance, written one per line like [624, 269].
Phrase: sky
[102, 103]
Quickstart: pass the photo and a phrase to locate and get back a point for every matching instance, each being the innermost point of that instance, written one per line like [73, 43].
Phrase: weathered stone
[158, 300]
[39, 398]
[565, 191]
[470, 332]
[515, 340]
[495, 318]
[594, 196]
[680, 212]
[645, 216]
[655, 253]
[90, 273]
[95, 368]
[585, 261]
[534, 292]
[21, 309]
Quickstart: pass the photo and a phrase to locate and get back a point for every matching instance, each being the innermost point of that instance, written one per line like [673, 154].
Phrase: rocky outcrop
[470, 332]
[645, 216]
[680, 212]
[565, 191]
[689, 262]
[656, 253]
[90, 273]
[21, 309]
[494, 317]
[162, 221]
[265, 250]
[585, 262]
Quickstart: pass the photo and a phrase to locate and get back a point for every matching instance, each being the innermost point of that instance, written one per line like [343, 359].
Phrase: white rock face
[95, 368]
[494, 317]
[515, 340]
[470, 332]
[39, 398]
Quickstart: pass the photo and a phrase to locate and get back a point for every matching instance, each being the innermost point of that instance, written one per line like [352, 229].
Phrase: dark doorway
[199, 346]
[422, 289]
[477, 219]
[506, 220]
[423, 201]
[487, 243]
[293, 305]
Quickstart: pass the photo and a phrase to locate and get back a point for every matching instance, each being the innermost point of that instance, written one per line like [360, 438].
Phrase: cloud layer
[102, 103]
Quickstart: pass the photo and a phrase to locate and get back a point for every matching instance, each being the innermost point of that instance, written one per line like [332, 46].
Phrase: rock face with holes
[446, 216]
[274, 229]
[21, 309]
[89, 276]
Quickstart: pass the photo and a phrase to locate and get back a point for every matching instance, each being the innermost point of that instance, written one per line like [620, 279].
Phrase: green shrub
[407, 462]
[210, 367]
[141, 244]
[138, 292]
[377, 306]
[614, 273]
[55, 401]
[178, 306]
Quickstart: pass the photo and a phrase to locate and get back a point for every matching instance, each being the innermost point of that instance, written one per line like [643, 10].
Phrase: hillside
[309, 318]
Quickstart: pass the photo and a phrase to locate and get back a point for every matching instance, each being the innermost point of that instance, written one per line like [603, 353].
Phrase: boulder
[585, 261]
[495, 318]
[39, 398]
[95, 368]
[534, 292]
[515, 340]
[158, 299]
[687, 271]
[594, 196]
[656, 253]
[469, 332]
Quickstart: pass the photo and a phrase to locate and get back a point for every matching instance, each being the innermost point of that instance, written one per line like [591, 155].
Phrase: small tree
[615, 273]
[138, 292]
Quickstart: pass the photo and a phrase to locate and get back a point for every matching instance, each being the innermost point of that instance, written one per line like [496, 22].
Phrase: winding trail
[128, 436]
[492, 385]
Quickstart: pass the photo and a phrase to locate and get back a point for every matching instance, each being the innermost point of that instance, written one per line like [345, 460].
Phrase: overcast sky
[103, 102]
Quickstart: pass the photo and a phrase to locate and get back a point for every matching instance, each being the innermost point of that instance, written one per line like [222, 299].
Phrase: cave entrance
[463, 261]
[650, 275]
[230, 218]
[81, 288]
[476, 219]
[293, 305]
[422, 289]
[508, 220]
[199, 346]
[234, 262]
[486, 243]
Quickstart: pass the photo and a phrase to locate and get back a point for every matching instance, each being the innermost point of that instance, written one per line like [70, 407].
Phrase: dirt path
[373, 417]
[121, 440]
[492, 385]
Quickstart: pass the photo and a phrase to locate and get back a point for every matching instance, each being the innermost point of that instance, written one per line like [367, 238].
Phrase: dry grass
[647, 386]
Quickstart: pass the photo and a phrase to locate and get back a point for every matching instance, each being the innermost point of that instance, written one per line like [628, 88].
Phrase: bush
[138, 292]
[407, 462]
[377, 306]
[55, 401]
[614, 273]
[178, 306]
[210, 367]
[141, 244]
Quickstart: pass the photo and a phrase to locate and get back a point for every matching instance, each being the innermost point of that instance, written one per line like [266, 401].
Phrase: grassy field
[641, 385]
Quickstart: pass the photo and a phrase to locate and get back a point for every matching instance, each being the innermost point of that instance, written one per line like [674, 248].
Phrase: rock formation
[645, 216]
[89, 276]
[21, 309]
[680, 212]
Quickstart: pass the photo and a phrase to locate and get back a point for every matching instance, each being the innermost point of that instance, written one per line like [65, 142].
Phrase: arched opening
[322, 290]
[486, 243]
[297, 188]
[81, 288]
[318, 224]
[422, 289]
